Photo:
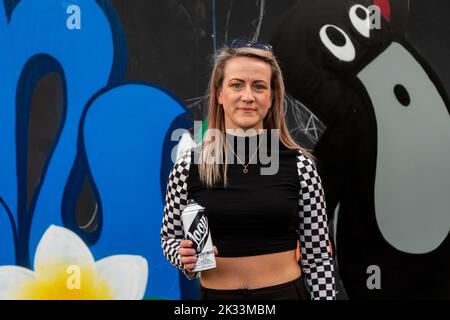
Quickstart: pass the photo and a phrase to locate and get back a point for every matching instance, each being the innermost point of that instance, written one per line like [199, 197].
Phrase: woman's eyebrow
[244, 80]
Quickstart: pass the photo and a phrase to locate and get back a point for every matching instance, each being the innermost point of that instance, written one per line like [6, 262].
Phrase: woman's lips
[247, 110]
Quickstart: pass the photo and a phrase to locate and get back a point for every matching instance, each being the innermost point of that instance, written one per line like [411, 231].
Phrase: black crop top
[257, 213]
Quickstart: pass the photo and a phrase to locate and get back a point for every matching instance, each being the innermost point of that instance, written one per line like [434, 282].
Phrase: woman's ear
[219, 96]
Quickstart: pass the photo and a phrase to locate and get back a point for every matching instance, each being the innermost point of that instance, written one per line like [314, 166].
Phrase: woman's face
[246, 94]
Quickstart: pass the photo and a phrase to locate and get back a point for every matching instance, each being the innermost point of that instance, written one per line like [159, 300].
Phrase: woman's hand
[188, 255]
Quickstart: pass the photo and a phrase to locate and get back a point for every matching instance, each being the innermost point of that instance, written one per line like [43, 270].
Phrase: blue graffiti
[114, 133]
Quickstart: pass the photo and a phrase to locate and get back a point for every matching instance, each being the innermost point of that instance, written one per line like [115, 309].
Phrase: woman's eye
[260, 87]
[236, 85]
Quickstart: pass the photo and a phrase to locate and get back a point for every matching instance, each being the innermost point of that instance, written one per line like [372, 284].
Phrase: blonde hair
[209, 168]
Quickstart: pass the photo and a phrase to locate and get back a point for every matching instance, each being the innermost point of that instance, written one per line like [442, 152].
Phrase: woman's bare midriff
[252, 272]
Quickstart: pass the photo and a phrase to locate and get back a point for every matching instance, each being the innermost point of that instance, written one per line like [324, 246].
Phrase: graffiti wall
[386, 171]
[91, 92]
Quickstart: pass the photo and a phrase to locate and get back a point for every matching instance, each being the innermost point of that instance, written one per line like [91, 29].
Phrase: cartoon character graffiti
[385, 153]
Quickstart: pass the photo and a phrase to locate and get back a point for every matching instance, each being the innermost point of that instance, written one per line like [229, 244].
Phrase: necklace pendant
[245, 170]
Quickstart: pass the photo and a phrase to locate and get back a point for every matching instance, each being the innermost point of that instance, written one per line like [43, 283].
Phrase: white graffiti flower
[64, 269]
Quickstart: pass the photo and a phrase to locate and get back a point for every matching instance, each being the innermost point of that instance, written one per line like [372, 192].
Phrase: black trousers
[292, 290]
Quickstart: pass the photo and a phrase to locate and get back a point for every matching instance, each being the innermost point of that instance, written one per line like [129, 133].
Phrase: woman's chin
[246, 124]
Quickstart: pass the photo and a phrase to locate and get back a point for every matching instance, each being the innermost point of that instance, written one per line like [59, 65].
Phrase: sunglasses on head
[238, 43]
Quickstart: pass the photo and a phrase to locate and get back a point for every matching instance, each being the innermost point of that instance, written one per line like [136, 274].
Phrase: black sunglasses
[238, 43]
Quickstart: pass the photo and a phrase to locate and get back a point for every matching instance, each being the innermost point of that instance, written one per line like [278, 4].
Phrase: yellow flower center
[61, 281]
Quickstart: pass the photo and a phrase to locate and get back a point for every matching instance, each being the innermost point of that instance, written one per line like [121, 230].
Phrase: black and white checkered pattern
[175, 202]
[316, 258]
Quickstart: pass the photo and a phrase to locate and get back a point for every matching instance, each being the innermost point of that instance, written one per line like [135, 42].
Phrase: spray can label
[196, 229]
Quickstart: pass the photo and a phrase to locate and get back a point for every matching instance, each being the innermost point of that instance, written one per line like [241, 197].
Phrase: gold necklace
[245, 170]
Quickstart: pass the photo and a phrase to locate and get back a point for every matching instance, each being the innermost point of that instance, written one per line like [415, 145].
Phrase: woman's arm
[317, 261]
[175, 202]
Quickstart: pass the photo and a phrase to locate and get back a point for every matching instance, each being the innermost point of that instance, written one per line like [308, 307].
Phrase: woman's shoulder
[183, 158]
[299, 153]
[180, 171]
[187, 156]
[305, 162]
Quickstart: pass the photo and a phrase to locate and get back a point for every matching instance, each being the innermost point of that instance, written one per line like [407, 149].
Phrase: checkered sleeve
[316, 257]
[175, 202]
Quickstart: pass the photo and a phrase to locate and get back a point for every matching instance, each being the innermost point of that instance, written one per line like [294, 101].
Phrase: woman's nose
[247, 95]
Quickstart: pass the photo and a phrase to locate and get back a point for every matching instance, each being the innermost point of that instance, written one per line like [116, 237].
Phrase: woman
[255, 219]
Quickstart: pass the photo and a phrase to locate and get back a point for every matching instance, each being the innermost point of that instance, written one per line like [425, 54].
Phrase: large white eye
[360, 18]
[338, 42]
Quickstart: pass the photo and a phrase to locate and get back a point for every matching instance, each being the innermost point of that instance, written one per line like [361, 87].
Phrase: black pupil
[335, 36]
[402, 95]
[361, 13]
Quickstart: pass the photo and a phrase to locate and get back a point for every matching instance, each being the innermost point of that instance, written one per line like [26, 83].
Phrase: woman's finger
[188, 260]
[186, 244]
[216, 252]
[187, 252]
[189, 267]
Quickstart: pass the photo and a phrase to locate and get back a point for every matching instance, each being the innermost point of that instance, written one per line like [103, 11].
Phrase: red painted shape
[385, 8]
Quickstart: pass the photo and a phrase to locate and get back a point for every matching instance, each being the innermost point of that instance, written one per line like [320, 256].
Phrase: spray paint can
[196, 229]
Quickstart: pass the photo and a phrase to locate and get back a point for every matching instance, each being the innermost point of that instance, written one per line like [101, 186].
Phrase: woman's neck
[243, 132]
